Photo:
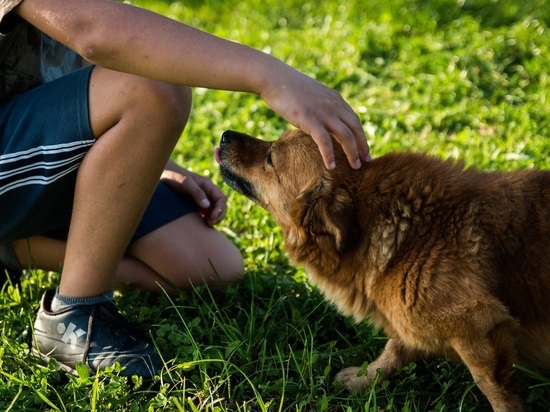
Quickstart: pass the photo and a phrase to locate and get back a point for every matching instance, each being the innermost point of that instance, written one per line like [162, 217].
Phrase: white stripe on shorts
[28, 167]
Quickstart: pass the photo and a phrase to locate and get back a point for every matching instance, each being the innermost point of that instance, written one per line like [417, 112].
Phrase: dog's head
[287, 177]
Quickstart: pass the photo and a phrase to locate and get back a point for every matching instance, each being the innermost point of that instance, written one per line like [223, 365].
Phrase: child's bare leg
[137, 123]
[187, 252]
[183, 252]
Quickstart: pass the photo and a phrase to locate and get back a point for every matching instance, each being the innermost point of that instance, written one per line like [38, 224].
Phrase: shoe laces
[116, 323]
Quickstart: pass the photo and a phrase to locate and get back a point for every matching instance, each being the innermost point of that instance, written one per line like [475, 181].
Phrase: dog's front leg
[394, 356]
[490, 360]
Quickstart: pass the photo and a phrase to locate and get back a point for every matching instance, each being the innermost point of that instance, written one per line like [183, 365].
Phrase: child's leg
[183, 252]
[137, 123]
[187, 252]
[125, 128]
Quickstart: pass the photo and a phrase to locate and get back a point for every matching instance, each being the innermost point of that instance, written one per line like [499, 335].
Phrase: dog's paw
[351, 379]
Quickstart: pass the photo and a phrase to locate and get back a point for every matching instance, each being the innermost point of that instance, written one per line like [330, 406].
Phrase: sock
[61, 302]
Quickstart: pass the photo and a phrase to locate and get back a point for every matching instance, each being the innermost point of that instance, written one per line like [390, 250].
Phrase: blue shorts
[44, 135]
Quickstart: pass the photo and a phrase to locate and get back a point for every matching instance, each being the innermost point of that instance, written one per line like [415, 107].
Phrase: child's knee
[167, 103]
[114, 96]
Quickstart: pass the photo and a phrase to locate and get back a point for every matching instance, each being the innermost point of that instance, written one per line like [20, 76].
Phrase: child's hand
[202, 190]
[318, 111]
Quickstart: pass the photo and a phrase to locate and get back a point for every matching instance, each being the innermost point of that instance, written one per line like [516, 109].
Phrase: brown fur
[445, 260]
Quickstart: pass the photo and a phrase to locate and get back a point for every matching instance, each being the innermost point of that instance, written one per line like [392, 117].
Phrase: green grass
[464, 79]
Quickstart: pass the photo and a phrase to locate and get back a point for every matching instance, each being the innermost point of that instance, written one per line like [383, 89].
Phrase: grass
[464, 79]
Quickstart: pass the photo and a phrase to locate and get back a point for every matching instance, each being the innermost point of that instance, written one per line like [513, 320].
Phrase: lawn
[467, 79]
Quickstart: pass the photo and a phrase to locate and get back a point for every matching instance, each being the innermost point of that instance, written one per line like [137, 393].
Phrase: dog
[446, 260]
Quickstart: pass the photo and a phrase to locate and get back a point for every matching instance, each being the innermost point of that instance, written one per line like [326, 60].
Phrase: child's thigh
[45, 134]
[186, 250]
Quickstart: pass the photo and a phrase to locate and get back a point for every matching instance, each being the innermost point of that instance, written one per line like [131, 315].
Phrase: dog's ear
[325, 213]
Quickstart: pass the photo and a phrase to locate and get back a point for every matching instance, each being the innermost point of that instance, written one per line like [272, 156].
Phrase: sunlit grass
[462, 79]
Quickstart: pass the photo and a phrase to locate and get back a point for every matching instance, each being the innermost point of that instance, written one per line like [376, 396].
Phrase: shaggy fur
[446, 261]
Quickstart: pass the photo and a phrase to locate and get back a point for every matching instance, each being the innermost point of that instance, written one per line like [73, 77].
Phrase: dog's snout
[227, 137]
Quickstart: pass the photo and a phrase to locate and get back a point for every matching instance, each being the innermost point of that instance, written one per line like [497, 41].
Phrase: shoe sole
[68, 369]
[59, 365]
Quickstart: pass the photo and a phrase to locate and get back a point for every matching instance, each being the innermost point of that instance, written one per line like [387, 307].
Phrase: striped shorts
[44, 135]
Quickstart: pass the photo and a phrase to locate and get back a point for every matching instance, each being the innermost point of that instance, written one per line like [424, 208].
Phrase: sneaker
[96, 335]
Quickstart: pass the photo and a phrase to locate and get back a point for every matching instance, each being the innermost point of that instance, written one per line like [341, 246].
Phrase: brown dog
[445, 260]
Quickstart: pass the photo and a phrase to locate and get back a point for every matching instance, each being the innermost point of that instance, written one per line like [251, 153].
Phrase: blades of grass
[178, 405]
[196, 347]
[465, 394]
[545, 380]
[14, 400]
[95, 392]
[12, 377]
[284, 375]
[42, 396]
[258, 396]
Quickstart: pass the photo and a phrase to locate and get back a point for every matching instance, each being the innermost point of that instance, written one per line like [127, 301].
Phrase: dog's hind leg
[394, 356]
[490, 359]
[533, 348]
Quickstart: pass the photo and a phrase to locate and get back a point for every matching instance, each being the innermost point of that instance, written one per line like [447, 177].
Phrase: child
[82, 149]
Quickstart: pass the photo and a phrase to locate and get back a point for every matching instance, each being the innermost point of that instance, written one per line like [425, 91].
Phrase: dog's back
[518, 235]
[497, 223]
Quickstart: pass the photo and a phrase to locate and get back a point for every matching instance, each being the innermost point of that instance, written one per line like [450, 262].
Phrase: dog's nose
[227, 137]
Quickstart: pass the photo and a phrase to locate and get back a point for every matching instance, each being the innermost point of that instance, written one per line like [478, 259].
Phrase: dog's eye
[268, 158]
